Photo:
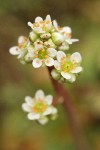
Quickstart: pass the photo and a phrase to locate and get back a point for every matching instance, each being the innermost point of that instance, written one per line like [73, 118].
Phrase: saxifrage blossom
[40, 107]
[67, 66]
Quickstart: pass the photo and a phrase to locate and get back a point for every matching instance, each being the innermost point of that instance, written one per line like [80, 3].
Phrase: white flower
[39, 107]
[66, 32]
[68, 66]
[42, 55]
[40, 25]
[20, 50]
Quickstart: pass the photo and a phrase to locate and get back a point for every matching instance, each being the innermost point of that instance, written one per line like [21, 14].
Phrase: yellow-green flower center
[39, 107]
[42, 54]
[67, 66]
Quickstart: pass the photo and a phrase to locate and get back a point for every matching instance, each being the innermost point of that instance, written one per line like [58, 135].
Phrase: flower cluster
[40, 107]
[47, 45]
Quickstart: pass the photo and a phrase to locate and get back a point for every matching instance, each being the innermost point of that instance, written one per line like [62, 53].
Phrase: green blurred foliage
[17, 80]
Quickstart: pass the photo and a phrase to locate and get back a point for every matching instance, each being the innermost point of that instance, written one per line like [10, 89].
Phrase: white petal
[57, 65]
[64, 46]
[76, 57]
[74, 40]
[48, 99]
[21, 39]
[29, 57]
[48, 18]
[29, 100]
[49, 61]
[14, 50]
[38, 30]
[66, 75]
[76, 70]
[39, 95]
[36, 63]
[43, 121]
[69, 41]
[33, 116]
[38, 46]
[66, 30]
[21, 54]
[61, 56]
[38, 19]
[30, 24]
[73, 78]
[26, 107]
[55, 24]
[48, 111]
[51, 52]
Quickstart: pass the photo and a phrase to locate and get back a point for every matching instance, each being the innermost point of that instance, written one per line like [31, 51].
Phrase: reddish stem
[80, 141]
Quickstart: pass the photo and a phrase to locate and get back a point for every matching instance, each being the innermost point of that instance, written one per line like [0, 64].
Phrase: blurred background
[17, 80]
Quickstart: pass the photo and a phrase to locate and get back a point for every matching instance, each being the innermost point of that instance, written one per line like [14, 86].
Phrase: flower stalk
[80, 141]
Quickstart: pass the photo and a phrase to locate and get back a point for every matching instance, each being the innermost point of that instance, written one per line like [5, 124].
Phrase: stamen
[37, 24]
[36, 52]
[37, 61]
[42, 22]
[42, 60]
[46, 56]
[59, 28]
[43, 50]
[48, 21]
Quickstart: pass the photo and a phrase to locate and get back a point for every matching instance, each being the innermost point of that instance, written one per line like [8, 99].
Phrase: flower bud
[55, 74]
[64, 46]
[32, 36]
[45, 36]
[50, 44]
[57, 38]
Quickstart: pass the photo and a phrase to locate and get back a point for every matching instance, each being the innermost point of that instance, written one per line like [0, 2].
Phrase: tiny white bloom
[21, 49]
[66, 32]
[42, 55]
[39, 107]
[41, 26]
[68, 66]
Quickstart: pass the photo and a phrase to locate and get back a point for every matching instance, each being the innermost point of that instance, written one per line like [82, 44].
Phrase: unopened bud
[57, 38]
[55, 74]
[32, 36]
[45, 36]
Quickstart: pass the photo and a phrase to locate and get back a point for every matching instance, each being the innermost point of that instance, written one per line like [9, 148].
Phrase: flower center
[42, 54]
[67, 66]
[39, 107]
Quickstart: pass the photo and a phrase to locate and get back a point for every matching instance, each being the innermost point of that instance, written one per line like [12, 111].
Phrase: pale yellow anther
[41, 22]
[59, 28]
[37, 61]
[43, 50]
[36, 52]
[42, 60]
[48, 21]
[46, 56]
[37, 24]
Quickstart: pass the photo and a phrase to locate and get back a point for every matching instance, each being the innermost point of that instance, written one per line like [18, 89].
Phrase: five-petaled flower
[40, 107]
[68, 65]
[40, 25]
[66, 32]
[43, 55]
[21, 49]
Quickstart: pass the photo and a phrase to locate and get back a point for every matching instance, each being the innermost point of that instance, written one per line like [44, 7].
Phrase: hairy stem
[80, 141]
